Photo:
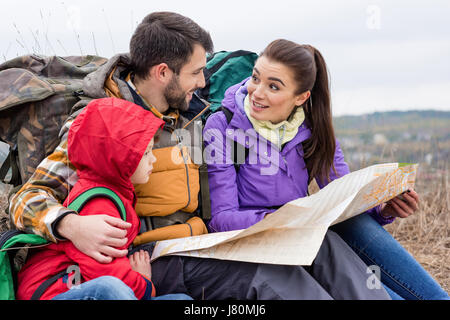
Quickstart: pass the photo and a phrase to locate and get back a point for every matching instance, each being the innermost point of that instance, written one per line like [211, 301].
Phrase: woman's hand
[401, 206]
[140, 262]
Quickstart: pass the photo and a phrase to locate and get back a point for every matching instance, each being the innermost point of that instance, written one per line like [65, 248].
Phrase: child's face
[145, 166]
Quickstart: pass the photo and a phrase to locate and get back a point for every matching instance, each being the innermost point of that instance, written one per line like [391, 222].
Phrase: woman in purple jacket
[282, 118]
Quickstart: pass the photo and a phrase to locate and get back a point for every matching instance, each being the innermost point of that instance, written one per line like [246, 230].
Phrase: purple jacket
[267, 180]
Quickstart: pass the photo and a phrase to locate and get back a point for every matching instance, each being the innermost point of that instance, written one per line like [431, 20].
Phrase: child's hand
[140, 262]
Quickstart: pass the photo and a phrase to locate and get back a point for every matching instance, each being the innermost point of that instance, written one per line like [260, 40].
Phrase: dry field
[426, 234]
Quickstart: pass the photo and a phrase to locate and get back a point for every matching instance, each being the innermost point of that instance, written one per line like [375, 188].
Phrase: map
[292, 235]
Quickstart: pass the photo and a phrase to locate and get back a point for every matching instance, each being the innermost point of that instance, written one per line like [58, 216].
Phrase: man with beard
[161, 72]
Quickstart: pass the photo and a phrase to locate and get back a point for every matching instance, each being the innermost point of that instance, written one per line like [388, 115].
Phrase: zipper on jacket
[281, 137]
[187, 178]
[185, 167]
[287, 167]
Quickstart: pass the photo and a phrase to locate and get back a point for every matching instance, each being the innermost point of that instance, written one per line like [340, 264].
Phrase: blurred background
[382, 55]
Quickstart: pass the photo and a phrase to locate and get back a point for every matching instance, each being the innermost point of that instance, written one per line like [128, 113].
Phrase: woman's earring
[310, 102]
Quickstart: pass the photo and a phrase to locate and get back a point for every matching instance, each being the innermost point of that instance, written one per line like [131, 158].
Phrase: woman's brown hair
[310, 72]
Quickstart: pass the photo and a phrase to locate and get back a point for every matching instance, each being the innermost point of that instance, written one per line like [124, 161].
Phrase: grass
[426, 234]
[417, 137]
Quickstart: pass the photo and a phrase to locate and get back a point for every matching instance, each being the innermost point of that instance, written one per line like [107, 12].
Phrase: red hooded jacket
[105, 144]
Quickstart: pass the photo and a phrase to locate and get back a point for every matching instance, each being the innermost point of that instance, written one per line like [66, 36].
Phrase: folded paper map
[292, 235]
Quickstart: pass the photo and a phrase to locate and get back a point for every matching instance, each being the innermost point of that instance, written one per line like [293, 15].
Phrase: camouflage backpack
[36, 96]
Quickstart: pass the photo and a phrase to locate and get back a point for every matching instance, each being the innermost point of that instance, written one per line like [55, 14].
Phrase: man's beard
[175, 96]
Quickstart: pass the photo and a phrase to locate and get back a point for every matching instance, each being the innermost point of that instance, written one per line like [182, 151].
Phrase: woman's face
[272, 91]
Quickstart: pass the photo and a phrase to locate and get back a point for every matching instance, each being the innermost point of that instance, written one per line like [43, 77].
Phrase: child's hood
[108, 139]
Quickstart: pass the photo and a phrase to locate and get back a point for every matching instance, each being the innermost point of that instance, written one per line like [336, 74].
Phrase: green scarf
[279, 133]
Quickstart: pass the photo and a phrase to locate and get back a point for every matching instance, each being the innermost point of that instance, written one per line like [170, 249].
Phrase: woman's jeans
[108, 288]
[402, 276]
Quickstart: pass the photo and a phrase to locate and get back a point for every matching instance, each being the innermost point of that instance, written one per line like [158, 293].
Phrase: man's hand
[97, 236]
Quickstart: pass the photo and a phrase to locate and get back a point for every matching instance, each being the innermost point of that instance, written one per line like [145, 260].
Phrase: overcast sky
[382, 55]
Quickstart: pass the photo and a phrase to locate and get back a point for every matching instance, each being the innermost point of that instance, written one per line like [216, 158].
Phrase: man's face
[179, 91]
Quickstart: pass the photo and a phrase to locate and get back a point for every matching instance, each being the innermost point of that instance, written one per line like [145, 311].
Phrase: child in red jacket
[110, 144]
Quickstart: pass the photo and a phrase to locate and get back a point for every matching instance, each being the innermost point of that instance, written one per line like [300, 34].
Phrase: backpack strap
[228, 114]
[11, 162]
[15, 238]
[237, 147]
[205, 198]
[79, 202]
[47, 283]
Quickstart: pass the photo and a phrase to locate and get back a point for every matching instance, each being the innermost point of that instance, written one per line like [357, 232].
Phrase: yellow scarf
[279, 133]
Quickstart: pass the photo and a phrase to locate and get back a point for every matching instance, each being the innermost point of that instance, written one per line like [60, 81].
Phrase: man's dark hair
[166, 37]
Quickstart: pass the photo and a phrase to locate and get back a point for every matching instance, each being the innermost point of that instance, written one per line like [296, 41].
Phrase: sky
[381, 55]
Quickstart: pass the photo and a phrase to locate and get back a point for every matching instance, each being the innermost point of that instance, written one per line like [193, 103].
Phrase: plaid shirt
[38, 204]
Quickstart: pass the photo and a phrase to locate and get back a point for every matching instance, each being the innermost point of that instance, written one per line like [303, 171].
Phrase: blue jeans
[402, 276]
[109, 288]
